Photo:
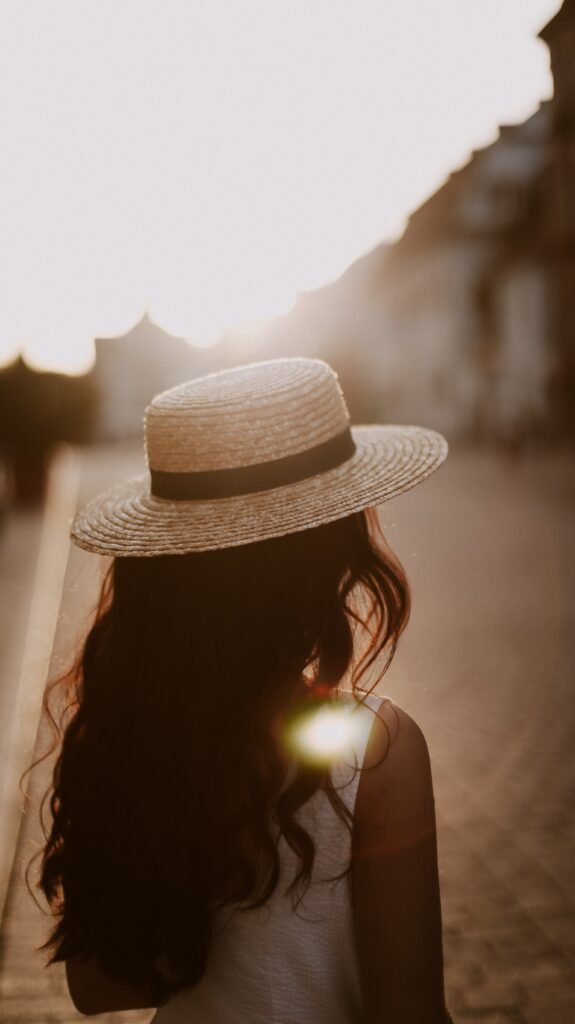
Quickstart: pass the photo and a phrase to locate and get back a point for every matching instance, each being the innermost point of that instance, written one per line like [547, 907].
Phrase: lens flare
[327, 731]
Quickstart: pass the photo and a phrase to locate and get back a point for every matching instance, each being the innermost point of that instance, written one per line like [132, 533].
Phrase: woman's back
[278, 964]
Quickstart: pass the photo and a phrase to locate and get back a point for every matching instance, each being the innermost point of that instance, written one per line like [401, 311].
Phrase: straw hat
[251, 453]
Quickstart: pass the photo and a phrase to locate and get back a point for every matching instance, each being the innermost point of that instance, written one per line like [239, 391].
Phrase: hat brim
[127, 520]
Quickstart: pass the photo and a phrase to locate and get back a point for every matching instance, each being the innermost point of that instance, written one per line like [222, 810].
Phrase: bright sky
[206, 160]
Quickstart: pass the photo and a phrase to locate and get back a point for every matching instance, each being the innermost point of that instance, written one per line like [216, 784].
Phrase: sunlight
[210, 161]
[57, 349]
[201, 312]
[328, 732]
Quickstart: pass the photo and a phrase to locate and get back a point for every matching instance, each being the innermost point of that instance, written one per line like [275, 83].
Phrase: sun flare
[328, 732]
[207, 162]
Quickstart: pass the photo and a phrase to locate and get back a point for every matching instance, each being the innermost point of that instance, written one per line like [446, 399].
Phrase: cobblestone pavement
[486, 668]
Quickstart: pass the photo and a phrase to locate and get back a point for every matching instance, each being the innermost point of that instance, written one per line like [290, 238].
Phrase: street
[486, 669]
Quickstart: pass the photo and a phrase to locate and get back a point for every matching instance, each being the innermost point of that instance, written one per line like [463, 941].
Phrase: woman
[212, 852]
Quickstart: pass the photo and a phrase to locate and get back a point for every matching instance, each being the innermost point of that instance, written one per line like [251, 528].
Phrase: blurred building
[476, 302]
[462, 298]
[130, 370]
[467, 323]
[558, 224]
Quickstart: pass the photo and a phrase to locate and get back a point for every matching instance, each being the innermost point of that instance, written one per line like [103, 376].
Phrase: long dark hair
[170, 773]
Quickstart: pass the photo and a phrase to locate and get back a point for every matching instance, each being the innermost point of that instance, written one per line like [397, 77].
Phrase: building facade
[467, 322]
[476, 301]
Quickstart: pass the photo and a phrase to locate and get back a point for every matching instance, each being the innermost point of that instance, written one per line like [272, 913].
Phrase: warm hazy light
[227, 300]
[60, 350]
[328, 732]
[208, 161]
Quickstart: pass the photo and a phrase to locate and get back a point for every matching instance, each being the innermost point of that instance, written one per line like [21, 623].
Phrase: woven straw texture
[242, 417]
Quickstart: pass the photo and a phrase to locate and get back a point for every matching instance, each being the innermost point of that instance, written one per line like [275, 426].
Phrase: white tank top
[277, 965]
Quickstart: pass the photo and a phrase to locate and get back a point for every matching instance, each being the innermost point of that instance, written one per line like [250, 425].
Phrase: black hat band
[209, 484]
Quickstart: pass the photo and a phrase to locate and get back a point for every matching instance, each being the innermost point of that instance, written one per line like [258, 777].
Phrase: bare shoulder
[394, 730]
[395, 788]
[394, 876]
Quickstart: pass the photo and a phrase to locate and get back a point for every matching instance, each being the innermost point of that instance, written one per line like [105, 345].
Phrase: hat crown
[245, 416]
